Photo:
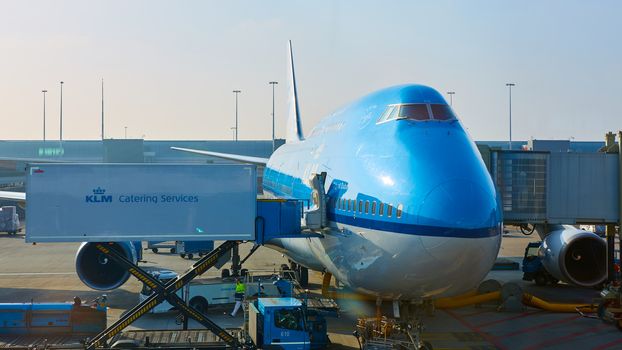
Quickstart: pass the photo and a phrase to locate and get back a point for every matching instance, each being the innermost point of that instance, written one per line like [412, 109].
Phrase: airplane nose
[460, 204]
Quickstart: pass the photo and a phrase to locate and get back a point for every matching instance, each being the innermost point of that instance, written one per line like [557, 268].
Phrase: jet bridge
[556, 187]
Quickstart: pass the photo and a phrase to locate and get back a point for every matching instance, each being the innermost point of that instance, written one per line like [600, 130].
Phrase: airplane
[413, 213]
[412, 209]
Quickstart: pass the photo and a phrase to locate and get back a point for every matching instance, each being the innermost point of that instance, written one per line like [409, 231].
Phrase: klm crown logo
[99, 190]
[99, 196]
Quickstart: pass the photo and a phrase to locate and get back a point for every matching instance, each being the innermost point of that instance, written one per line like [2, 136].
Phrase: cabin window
[373, 208]
[349, 204]
[343, 204]
[381, 209]
[360, 206]
[399, 211]
[366, 207]
[389, 210]
[414, 112]
[354, 205]
[442, 112]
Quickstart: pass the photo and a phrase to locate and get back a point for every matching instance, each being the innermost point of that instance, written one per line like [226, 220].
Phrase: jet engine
[574, 256]
[98, 271]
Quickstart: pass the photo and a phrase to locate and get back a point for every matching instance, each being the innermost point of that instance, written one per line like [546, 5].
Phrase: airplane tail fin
[294, 125]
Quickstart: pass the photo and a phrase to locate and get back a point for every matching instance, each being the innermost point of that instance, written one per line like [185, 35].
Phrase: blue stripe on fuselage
[411, 229]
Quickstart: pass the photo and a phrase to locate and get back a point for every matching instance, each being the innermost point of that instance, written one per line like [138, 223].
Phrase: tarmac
[46, 273]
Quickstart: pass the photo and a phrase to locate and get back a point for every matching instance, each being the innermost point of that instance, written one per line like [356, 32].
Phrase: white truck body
[215, 291]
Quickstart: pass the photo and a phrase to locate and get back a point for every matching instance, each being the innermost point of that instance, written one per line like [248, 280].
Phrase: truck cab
[286, 323]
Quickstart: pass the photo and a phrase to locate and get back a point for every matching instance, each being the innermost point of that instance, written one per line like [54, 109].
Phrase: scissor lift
[165, 292]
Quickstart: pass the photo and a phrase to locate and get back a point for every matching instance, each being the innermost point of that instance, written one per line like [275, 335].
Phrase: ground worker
[240, 290]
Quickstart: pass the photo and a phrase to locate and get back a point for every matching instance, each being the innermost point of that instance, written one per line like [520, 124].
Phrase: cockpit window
[418, 112]
[442, 112]
[389, 113]
[414, 112]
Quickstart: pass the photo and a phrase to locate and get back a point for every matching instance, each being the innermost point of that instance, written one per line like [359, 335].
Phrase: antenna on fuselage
[294, 125]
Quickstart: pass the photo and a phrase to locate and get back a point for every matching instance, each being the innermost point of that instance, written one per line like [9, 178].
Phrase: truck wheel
[155, 250]
[190, 256]
[225, 273]
[173, 250]
[540, 279]
[200, 304]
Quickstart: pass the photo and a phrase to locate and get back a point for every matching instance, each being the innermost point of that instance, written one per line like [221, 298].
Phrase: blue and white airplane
[412, 209]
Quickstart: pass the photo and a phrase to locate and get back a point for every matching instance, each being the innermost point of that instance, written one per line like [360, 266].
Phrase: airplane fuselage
[412, 209]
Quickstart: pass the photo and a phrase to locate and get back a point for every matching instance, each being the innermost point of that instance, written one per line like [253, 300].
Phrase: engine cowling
[99, 272]
[575, 256]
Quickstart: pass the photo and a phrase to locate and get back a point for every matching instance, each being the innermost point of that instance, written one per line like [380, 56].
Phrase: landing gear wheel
[173, 250]
[190, 256]
[540, 279]
[154, 250]
[225, 273]
[243, 272]
[182, 255]
[553, 281]
[303, 276]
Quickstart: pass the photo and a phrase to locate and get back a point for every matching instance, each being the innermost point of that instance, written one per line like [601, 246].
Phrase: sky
[169, 67]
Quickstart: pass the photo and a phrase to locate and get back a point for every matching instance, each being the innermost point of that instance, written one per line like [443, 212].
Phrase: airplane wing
[229, 156]
[18, 196]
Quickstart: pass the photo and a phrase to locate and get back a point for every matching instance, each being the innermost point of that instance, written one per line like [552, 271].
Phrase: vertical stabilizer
[294, 125]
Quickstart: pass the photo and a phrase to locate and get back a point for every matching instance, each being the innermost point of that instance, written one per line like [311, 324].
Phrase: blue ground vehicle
[286, 323]
[51, 318]
[533, 270]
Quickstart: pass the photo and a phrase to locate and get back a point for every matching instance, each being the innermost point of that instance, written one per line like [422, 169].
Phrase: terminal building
[15, 154]
[522, 203]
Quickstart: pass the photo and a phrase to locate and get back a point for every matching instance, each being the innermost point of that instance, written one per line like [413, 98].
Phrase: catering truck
[207, 292]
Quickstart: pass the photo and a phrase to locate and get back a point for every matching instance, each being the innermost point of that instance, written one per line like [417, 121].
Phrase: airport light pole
[61, 110]
[102, 109]
[509, 85]
[451, 97]
[236, 92]
[44, 92]
[126, 132]
[273, 83]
